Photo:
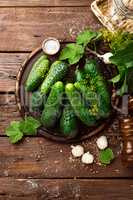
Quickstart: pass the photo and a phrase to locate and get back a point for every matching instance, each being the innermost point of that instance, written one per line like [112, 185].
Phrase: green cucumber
[90, 97]
[79, 106]
[104, 97]
[68, 122]
[99, 85]
[79, 75]
[57, 71]
[37, 73]
[91, 68]
[37, 101]
[52, 108]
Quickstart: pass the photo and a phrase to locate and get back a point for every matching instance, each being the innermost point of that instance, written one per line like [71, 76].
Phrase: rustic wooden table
[37, 168]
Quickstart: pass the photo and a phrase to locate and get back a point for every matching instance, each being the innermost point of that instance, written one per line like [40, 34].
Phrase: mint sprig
[106, 156]
[17, 129]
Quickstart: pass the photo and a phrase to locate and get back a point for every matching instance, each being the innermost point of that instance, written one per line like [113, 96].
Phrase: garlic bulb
[77, 151]
[106, 57]
[87, 158]
[102, 142]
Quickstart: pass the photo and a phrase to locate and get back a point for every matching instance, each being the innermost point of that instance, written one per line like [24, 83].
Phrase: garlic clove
[106, 57]
[77, 151]
[87, 158]
[102, 142]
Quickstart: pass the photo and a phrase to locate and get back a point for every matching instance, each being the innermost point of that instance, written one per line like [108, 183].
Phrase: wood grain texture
[8, 111]
[8, 74]
[23, 29]
[12, 58]
[39, 158]
[49, 3]
[43, 189]
[9, 66]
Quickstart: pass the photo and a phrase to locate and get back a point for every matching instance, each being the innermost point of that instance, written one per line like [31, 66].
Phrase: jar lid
[51, 46]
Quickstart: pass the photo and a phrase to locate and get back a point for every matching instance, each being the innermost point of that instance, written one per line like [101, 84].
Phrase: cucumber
[68, 122]
[37, 73]
[79, 75]
[57, 71]
[78, 104]
[104, 97]
[90, 97]
[52, 108]
[37, 101]
[91, 68]
[99, 85]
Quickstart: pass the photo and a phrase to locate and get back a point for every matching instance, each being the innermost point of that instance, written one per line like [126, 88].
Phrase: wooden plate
[22, 98]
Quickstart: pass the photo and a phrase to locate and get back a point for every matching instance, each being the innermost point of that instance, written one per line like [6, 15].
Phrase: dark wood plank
[8, 111]
[23, 29]
[8, 74]
[49, 3]
[39, 158]
[12, 58]
[9, 66]
[35, 189]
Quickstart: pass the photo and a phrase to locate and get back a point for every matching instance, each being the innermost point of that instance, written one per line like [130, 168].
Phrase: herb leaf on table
[14, 132]
[106, 156]
[17, 129]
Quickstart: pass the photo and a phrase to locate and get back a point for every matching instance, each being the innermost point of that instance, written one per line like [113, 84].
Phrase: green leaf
[123, 89]
[124, 56]
[123, 59]
[73, 52]
[115, 79]
[86, 36]
[65, 53]
[29, 126]
[106, 156]
[14, 133]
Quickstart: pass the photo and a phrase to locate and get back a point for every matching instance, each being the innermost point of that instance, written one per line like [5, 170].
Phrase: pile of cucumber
[63, 104]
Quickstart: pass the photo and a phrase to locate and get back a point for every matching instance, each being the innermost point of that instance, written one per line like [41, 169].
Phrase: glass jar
[123, 8]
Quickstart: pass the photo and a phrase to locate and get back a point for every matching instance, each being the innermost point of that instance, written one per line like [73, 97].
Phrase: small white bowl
[51, 46]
